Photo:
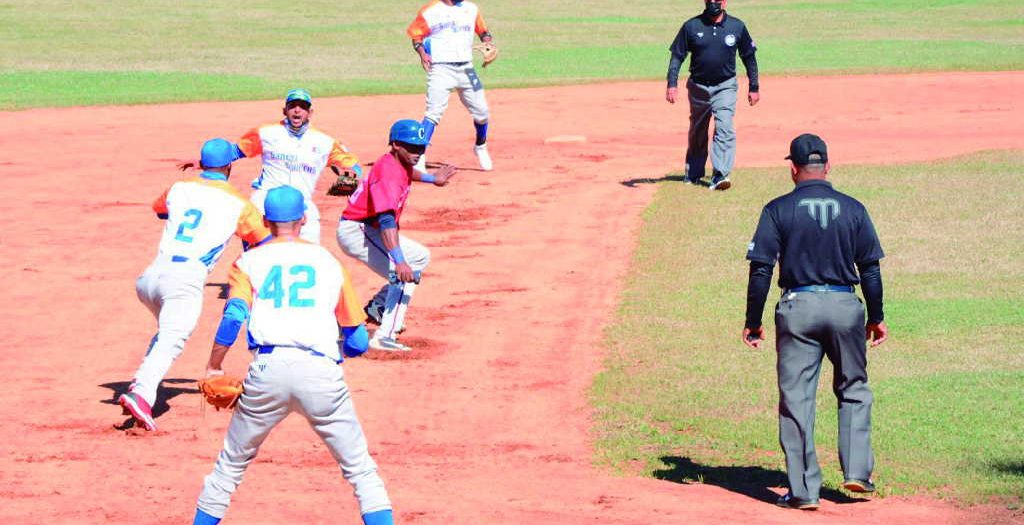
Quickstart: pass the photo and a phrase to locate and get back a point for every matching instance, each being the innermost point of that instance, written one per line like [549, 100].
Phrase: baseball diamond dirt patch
[490, 424]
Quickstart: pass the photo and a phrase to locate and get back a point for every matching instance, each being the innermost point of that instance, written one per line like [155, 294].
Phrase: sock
[481, 133]
[203, 518]
[381, 517]
[428, 127]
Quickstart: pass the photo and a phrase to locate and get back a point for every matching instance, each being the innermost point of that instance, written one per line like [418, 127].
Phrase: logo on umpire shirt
[821, 210]
[730, 40]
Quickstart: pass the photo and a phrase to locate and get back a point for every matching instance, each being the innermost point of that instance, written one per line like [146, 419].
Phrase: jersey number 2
[196, 215]
[273, 287]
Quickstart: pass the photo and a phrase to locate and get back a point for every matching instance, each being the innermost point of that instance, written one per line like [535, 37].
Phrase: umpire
[713, 38]
[825, 244]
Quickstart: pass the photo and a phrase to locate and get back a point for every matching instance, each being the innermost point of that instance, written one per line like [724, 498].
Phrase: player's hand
[187, 165]
[753, 98]
[443, 175]
[671, 94]
[425, 61]
[754, 338]
[877, 333]
[404, 273]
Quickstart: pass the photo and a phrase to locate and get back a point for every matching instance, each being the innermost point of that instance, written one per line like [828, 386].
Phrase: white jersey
[450, 28]
[298, 295]
[293, 161]
[202, 214]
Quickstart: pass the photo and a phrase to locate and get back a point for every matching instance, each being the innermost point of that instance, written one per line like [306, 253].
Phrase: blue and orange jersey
[293, 161]
[298, 294]
[202, 213]
[450, 28]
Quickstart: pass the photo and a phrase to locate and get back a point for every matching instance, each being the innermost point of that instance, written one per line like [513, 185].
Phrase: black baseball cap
[806, 145]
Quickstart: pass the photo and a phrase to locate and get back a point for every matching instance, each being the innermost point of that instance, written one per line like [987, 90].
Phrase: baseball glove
[345, 184]
[221, 391]
[489, 50]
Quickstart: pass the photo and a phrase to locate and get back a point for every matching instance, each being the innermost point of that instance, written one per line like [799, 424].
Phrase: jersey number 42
[273, 286]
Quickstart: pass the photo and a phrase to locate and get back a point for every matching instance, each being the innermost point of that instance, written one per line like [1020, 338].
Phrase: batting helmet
[408, 131]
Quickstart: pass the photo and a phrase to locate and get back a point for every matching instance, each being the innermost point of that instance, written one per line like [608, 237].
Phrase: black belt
[451, 63]
[269, 349]
[821, 288]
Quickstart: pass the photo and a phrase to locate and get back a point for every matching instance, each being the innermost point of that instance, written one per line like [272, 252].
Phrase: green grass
[118, 52]
[683, 399]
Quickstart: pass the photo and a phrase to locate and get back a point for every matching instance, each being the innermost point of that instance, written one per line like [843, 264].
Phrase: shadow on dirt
[752, 482]
[631, 183]
[163, 393]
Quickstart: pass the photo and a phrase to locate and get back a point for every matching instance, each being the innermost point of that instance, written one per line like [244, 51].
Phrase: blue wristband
[426, 177]
[397, 255]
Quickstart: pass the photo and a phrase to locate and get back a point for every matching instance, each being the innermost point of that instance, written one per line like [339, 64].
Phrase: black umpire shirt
[714, 47]
[819, 236]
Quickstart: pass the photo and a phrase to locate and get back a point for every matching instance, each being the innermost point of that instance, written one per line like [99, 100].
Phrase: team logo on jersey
[821, 210]
[730, 40]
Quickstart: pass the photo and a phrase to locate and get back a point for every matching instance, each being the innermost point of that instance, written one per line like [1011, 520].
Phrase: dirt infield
[487, 421]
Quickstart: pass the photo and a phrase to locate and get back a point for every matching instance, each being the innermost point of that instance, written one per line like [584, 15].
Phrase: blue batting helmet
[408, 131]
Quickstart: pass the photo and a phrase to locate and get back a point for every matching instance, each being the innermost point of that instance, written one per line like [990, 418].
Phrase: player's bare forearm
[217, 354]
[390, 238]
[438, 178]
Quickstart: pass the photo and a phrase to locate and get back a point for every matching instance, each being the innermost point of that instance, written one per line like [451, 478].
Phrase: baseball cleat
[387, 344]
[139, 409]
[720, 182]
[374, 312]
[859, 486]
[789, 502]
[483, 157]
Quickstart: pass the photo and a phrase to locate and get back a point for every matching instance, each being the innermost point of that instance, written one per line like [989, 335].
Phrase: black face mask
[712, 9]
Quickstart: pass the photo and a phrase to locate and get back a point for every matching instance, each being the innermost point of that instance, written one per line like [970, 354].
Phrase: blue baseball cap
[408, 131]
[299, 94]
[217, 153]
[284, 204]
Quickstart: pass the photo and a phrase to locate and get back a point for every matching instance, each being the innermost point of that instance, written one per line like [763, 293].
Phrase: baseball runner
[825, 244]
[294, 154]
[712, 39]
[295, 295]
[369, 230]
[202, 213]
[442, 35]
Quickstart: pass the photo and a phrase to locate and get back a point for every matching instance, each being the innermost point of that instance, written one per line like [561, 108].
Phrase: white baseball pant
[364, 242]
[290, 379]
[443, 78]
[310, 231]
[173, 291]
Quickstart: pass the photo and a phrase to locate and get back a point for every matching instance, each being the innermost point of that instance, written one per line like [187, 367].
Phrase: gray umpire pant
[705, 101]
[809, 326]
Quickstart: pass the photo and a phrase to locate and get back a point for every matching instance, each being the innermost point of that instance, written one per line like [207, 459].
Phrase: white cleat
[483, 157]
[387, 344]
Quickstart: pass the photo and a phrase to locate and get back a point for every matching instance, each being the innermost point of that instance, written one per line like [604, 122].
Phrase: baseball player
[442, 35]
[202, 213]
[825, 244]
[712, 39]
[294, 154]
[369, 229]
[295, 295]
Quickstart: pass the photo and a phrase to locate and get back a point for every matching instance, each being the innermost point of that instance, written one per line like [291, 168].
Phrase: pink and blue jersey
[385, 189]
